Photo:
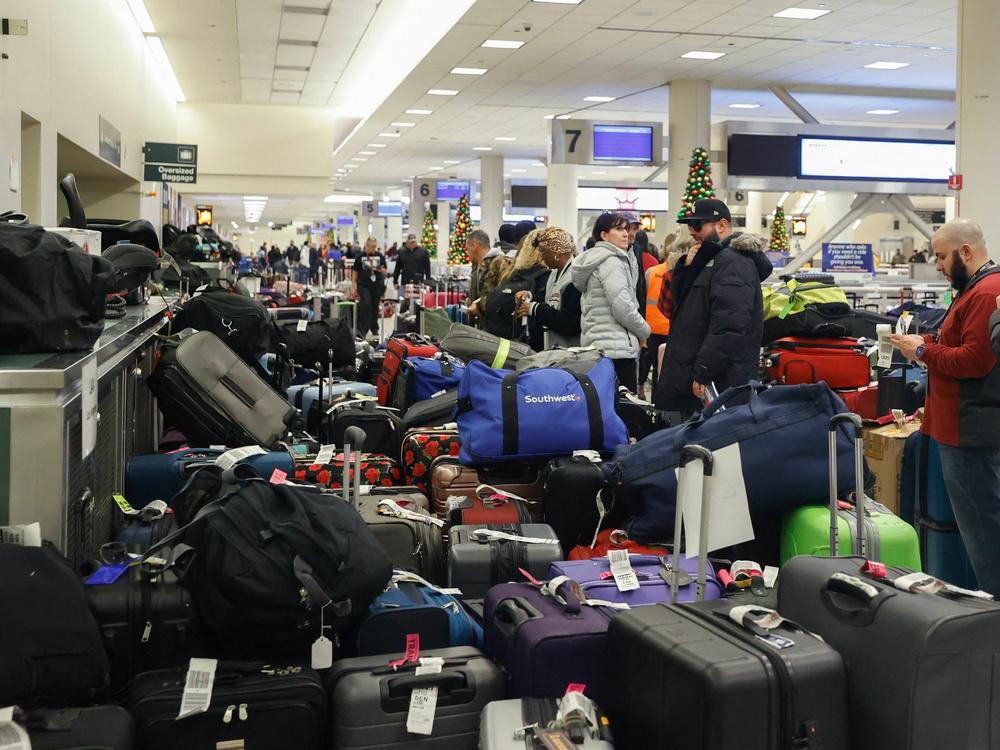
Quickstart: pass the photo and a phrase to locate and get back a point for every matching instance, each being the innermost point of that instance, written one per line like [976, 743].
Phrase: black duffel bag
[52, 293]
[243, 324]
[312, 345]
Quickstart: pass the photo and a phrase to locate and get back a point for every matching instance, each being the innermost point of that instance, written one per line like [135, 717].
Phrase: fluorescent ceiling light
[700, 55]
[507, 175]
[882, 112]
[345, 198]
[388, 135]
[367, 153]
[402, 124]
[452, 161]
[507, 138]
[598, 172]
[145, 23]
[802, 14]
[359, 158]
[255, 198]
[521, 171]
[482, 148]
[744, 106]
[564, 117]
[253, 207]
[434, 169]
[502, 44]
[167, 76]
[599, 98]
[887, 65]
[418, 111]
[468, 71]
[537, 164]
[549, 117]
[376, 145]
[442, 92]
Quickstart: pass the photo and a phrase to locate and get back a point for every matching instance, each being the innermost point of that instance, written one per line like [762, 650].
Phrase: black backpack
[265, 558]
[314, 343]
[243, 324]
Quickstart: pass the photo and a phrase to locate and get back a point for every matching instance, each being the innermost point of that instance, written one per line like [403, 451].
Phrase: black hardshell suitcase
[370, 700]
[262, 706]
[921, 667]
[574, 486]
[94, 728]
[147, 620]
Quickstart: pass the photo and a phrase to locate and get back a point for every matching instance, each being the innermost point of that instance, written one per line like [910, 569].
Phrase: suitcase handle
[445, 682]
[852, 600]
[698, 453]
[510, 614]
[859, 481]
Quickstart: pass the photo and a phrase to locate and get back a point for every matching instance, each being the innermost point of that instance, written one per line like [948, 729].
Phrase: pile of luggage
[463, 543]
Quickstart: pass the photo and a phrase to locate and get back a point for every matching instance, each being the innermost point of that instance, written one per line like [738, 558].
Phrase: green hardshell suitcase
[883, 536]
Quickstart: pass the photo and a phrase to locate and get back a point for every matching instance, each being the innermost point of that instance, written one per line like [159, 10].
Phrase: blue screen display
[451, 190]
[345, 221]
[390, 208]
[623, 142]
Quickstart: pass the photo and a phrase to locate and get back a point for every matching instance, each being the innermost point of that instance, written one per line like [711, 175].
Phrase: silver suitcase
[480, 557]
[511, 725]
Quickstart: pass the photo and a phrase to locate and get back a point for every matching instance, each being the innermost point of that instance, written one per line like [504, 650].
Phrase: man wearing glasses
[717, 313]
[963, 393]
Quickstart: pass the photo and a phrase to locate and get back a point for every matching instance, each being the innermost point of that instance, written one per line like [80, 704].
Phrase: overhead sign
[594, 142]
[644, 200]
[848, 257]
[110, 142]
[368, 208]
[424, 191]
[171, 162]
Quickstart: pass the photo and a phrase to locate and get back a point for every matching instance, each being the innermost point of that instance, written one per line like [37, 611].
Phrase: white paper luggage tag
[423, 701]
[322, 647]
[489, 535]
[621, 569]
[27, 535]
[325, 454]
[229, 459]
[885, 347]
[197, 695]
[575, 703]
[388, 507]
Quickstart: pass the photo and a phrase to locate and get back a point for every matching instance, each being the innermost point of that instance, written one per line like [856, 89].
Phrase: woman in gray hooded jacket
[606, 277]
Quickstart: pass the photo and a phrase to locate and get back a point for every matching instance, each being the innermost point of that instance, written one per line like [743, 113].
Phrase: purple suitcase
[545, 645]
[653, 572]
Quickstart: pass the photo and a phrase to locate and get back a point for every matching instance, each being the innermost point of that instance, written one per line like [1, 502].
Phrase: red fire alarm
[954, 182]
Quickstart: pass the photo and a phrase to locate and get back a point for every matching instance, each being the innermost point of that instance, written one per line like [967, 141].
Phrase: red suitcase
[862, 401]
[441, 299]
[420, 447]
[399, 348]
[612, 539]
[840, 362]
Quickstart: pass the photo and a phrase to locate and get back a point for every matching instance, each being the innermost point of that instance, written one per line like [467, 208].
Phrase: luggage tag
[489, 535]
[574, 705]
[278, 477]
[621, 568]
[412, 653]
[325, 454]
[322, 647]
[301, 325]
[26, 535]
[423, 701]
[230, 458]
[124, 505]
[197, 695]
[554, 739]
[106, 574]
[885, 346]
[392, 508]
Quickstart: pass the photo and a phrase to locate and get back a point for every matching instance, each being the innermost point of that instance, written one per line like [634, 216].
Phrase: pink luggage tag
[412, 653]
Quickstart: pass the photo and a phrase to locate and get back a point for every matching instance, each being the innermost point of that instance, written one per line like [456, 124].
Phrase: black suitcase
[641, 418]
[94, 728]
[370, 700]
[573, 504]
[254, 706]
[431, 412]
[383, 428]
[921, 667]
[147, 620]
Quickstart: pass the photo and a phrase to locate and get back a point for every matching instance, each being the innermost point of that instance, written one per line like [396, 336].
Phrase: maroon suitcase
[840, 362]
[397, 349]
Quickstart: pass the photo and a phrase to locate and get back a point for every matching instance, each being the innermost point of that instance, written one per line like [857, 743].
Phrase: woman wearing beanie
[606, 277]
[558, 313]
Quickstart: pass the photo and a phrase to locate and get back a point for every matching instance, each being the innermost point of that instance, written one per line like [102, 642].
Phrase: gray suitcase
[370, 700]
[508, 725]
[476, 563]
[205, 390]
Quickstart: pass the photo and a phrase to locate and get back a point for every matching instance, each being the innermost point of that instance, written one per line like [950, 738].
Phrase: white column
[491, 194]
[363, 231]
[560, 197]
[689, 127]
[444, 230]
[378, 232]
[755, 210]
[978, 100]
[949, 208]
[394, 224]
[837, 207]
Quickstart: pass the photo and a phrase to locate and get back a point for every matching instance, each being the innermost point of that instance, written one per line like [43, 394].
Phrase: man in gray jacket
[606, 276]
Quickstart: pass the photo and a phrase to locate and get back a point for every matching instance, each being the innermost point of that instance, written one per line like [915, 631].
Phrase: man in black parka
[717, 311]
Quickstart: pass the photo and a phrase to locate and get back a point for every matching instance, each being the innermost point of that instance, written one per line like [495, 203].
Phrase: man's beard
[959, 273]
[714, 237]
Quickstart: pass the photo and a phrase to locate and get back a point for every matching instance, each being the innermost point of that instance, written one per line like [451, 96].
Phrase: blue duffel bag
[783, 437]
[536, 414]
[432, 375]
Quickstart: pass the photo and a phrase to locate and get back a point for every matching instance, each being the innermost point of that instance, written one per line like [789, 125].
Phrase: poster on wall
[848, 257]
[109, 145]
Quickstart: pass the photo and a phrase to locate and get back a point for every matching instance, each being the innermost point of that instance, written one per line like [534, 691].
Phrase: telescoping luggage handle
[355, 436]
[689, 453]
[859, 482]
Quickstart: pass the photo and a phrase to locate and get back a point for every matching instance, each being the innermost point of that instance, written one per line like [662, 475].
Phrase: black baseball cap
[706, 210]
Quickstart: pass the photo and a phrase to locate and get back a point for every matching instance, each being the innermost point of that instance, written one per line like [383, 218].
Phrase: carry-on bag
[919, 664]
[574, 358]
[204, 389]
[839, 362]
[382, 427]
[92, 728]
[574, 506]
[397, 349]
[451, 482]
[313, 341]
[142, 529]
[249, 705]
[410, 606]
[509, 416]
[641, 418]
[881, 535]
[751, 679]
[786, 421]
[51, 653]
[420, 447]
[241, 323]
[376, 471]
[437, 410]
[314, 399]
[160, 476]
[488, 505]
[863, 401]
[481, 556]
[420, 378]
[371, 700]
[514, 724]
[468, 343]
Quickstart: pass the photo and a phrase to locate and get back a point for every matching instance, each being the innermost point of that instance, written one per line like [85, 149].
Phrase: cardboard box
[884, 453]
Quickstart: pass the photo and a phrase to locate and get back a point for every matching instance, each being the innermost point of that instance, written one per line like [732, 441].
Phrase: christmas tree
[699, 182]
[779, 232]
[428, 235]
[463, 226]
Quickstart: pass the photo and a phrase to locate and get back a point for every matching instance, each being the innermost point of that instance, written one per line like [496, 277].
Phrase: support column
[950, 209]
[561, 198]
[363, 232]
[378, 232]
[394, 224]
[48, 176]
[837, 206]
[444, 230]
[755, 211]
[491, 194]
[978, 100]
[690, 121]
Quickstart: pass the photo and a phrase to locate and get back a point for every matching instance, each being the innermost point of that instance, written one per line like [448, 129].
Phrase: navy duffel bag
[783, 437]
[539, 413]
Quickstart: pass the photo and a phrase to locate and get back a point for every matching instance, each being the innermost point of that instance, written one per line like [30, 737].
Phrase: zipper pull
[243, 712]
[228, 716]
[146, 631]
